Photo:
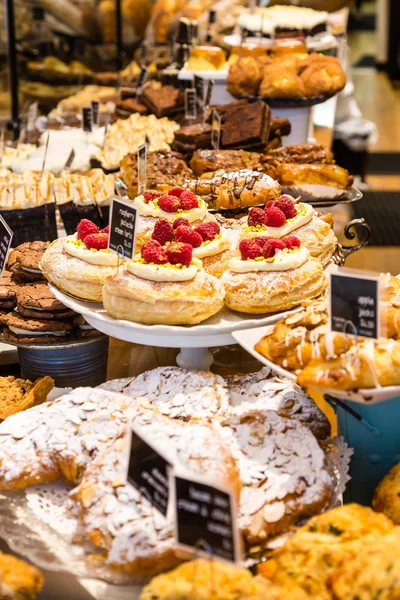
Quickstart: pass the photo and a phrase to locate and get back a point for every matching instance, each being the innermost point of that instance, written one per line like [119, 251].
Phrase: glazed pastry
[120, 520]
[18, 580]
[271, 276]
[163, 286]
[387, 495]
[369, 364]
[57, 440]
[79, 263]
[322, 76]
[297, 219]
[314, 181]
[209, 580]
[176, 203]
[182, 394]
[235, 189]
[276, 493]
[210, 243]
[244, 77]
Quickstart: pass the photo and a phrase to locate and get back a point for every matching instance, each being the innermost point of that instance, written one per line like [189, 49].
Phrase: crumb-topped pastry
[120, 520]
[282, 469]
[285, 217]
[79, 263]
[271, 275]
[163, 285]
[210, 243]
[177, 203]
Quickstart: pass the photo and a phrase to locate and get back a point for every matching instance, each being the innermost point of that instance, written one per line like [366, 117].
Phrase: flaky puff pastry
[217, 264]
[244, 77]
[387, 495]
[368, 364]
[128, 297]
[272, 291]
[18, 580]
[73, 275]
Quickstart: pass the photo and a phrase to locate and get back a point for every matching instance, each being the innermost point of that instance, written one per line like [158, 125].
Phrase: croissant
[236, 189]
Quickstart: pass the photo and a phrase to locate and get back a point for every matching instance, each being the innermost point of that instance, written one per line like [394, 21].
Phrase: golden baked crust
[266, 292]
[298, 174]
[17, 395]
[73, 275]
[281, 81]
[219, 263]
[236, 189]
[18, 580]
[387, 495]
[323, 78]
[128, 297]
[323, 546]
[209, 161]
[244, 77]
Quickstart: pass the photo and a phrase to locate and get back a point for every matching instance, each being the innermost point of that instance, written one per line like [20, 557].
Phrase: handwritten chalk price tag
[215, 130]
[200, 87]
[354, 303]
[95, 112]
[148, 471]
[190, 103]
[205, 516]
[142, 166]
[87, 119]
[6, 236]
[123, 220]
[210, 90]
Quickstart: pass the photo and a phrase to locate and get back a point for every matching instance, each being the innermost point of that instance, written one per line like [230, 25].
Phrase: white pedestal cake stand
[194, 341]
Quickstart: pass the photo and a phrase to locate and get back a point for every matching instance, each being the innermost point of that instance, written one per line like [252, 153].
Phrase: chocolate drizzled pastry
[24, 261]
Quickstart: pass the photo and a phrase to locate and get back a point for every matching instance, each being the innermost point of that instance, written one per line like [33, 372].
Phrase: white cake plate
[193, 340]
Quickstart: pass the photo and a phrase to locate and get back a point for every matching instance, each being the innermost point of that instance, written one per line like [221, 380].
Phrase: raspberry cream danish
[285, 217]
[177, 203]
[163, 285]
[79, 263]
[272, 275]
[210, 243]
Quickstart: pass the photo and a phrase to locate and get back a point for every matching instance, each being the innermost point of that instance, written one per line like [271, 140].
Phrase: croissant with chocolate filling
[236, 189]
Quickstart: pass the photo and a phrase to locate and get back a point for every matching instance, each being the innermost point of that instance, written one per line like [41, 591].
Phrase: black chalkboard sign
[123, 219]
[216, 130]
[354, 303]
[140, 82]
[205, 517]
[210, 90]
[148, 472]
[95, 112]
[70, 159]
[200, 87]
[190, 103]
[87, 119]
[6, 236]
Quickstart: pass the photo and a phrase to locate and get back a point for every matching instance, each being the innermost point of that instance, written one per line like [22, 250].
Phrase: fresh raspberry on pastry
[149, 196]
[274, 217]
[187, 235]
[177, 191]
[180, 221]
[179, 254]
[262, 240]
[163, 232]
[169, 203]
[153, 252]
[208, 230]
[286, 205]
[291, 241]
[272, 246]
[85, 228]
[188, 200]
[250, 249]
[106, 230]
[256, 217]
[96, 241]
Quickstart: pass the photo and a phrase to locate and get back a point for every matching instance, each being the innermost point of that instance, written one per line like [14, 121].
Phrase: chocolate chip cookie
[37, 301]
[24, 261]
[24, 330]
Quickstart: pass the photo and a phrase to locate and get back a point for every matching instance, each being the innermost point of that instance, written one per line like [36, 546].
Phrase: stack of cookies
[29, 310]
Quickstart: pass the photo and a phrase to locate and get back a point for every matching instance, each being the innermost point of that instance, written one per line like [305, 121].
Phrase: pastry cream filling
[19, 331]
[284, 260]
[304, 215]
[163, 273]
[77, 248]
[86, 327]
[153, 210]
[215, 246]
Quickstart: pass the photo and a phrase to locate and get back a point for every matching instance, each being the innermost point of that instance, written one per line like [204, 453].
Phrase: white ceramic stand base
[195, 359]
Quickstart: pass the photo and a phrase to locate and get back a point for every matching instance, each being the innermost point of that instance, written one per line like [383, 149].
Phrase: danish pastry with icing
[120, 520]
[163, 287]
[271, 276]
[282, 470]
[79, 266]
